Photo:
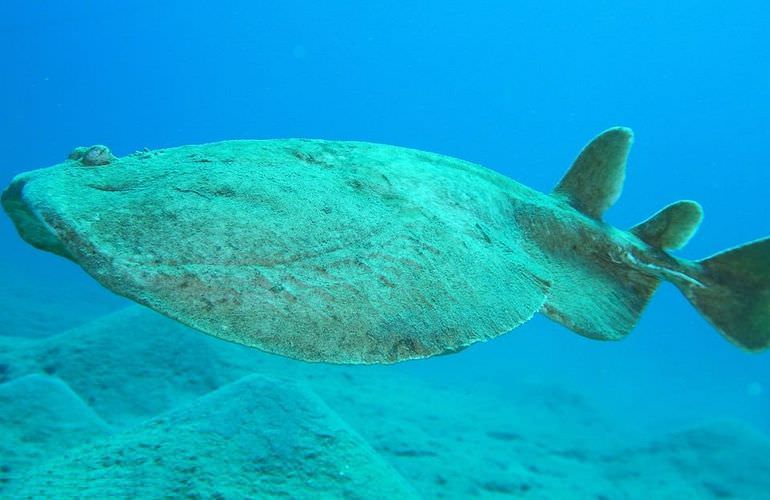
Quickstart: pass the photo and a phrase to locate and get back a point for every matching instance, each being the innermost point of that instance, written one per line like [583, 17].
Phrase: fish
[358, 253]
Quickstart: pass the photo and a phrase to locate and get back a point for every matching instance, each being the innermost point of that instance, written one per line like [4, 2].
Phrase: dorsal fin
[595, 180]
[672, 226]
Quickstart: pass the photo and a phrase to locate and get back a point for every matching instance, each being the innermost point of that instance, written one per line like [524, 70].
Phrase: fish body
[353, 252]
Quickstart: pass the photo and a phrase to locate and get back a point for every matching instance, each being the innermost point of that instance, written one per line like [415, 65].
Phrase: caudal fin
[735, 294]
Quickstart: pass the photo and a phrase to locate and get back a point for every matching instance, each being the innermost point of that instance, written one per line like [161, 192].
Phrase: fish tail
[733, 293]
[730, 289]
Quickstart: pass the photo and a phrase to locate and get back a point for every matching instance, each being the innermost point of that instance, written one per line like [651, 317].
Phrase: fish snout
[30, 225]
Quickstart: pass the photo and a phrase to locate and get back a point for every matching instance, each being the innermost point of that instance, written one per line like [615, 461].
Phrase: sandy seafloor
[100, 398]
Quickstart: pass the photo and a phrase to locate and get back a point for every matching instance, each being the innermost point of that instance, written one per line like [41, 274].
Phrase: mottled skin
[352, 252]
[325, 251]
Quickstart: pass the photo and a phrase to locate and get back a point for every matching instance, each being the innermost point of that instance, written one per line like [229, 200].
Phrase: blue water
[519, 87]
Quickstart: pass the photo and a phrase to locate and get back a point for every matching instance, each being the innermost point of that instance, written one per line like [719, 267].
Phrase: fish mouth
[28, 221]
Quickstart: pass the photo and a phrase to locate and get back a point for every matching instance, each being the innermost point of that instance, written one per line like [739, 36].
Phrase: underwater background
[673, 411]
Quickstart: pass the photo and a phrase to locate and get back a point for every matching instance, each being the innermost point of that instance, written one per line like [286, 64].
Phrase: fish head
[61, 186]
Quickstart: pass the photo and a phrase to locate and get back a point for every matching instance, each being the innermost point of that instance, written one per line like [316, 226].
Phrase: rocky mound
[41, 416]
[152, 380]
[255, 438]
